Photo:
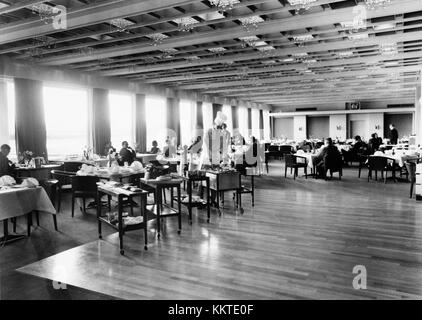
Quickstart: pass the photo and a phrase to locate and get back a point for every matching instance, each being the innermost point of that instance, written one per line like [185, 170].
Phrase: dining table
[16, 201]
[41, 173]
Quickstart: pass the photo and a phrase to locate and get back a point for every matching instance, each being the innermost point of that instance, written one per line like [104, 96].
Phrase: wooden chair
[84, 187]
[376, 163]
[64, 179]
[292, 163]
[334, 165]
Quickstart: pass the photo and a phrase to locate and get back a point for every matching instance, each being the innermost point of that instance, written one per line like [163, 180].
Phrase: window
[227, 110]
[121, 119]
[207, 115]
[187, 121]
[7, 118]
[156, 119]
[66, 119]
[243, 122]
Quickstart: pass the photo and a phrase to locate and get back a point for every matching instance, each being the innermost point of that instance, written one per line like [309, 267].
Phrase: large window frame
[122, 115]
[156, 120]
[66, 120]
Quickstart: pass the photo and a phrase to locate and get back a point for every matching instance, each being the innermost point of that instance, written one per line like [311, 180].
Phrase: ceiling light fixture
[186, 24]
[375, 4]
[251, 23]
[389, 49]
[121, 25]
[301, 5]
[224, 5]
[157, 39]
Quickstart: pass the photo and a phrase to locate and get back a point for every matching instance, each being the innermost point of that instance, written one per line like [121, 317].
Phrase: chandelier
[45, 12]
[224, 5]
[375, 4]
[251, 23]
[121, 25]
[389, 49]
[266, 51]
[249, 41]
[301, 4]
[186, 24]
[300, 40]
[168, 53]
[157, 39]
[44, 41]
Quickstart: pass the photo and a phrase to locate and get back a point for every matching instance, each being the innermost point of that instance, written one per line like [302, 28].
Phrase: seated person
[126, 154]
[355, 154]
[374, 143]
[155, 149]
[169, 150]
[328, 154]
[6, 166]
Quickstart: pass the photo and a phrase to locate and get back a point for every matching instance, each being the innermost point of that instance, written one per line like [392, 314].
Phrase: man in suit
[394, 134]
[6, 166]
[127, 154]
[328, 154]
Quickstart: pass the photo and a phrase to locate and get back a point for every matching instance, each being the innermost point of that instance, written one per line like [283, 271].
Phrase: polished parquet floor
[300, 241]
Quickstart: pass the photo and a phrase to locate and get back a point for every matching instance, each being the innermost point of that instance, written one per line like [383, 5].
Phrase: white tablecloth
[309, 157]
[18, 202]
[399, 157]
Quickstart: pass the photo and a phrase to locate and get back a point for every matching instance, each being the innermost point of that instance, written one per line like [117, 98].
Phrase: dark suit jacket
[5, 165]
[127, 155]
[394, 136]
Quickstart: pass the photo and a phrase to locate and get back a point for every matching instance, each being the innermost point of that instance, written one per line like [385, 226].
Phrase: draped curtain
[235, 119]
[101, 127]
[199, 116]
[30, 127]
[173, 119]
[249, 122]
[140, 123]
[261, 124]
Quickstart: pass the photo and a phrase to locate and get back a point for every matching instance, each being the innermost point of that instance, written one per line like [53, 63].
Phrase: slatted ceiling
[179, 71]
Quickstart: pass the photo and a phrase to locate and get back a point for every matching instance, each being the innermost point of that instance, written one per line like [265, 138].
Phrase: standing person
[6, 166]
[394, 134]
[169, 150]
[127, 154]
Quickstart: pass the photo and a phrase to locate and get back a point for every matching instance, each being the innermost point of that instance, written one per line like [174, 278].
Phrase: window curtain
[31, 132]
[173, 119]
[261, 125]
[235, 119]
[199, 115]
[140, 123]
[4, 123]
[250, 131]
[101, 128]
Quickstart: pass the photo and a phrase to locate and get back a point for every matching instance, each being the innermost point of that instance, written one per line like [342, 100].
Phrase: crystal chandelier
[389, 49]
[168, 53]
[249, 41]
[224, 5]
[157, 39]
[186, 24]
[301, 4]
[375, 4]
[251, 23]
[121, 25]
[300, 40]
[266, 51]
[45, 12]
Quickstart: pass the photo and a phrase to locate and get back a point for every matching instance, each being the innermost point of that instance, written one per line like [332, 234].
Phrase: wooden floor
[301, 241]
